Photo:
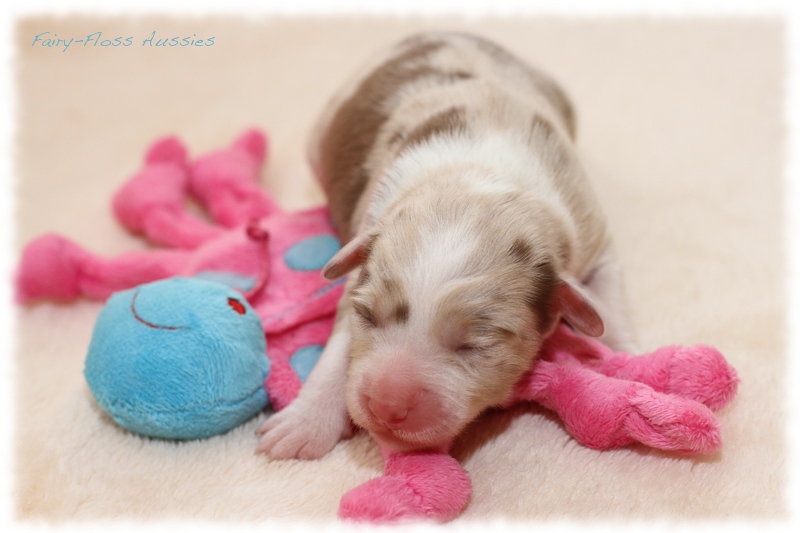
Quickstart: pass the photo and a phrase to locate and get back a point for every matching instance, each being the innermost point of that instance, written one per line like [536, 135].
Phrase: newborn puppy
[470, 229]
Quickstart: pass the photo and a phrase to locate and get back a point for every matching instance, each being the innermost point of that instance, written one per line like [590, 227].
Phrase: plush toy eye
[237, 306]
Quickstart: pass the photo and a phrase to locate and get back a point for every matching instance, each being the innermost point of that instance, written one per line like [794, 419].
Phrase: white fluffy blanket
[682, 119]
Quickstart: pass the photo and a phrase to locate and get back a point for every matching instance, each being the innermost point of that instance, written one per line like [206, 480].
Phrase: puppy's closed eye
[472, 336]
[365, 314]
[380, 301]
[466, 348]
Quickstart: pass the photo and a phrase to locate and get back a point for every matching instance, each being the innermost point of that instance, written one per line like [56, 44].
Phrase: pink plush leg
[54, 267]
[178, 229]
[226, 182]
[152, 201]
[416, 486]
[603, 412]
[699, 372]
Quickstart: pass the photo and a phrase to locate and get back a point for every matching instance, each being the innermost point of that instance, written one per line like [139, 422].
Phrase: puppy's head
[449, 308]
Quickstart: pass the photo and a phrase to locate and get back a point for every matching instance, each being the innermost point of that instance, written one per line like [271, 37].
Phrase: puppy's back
[429, 84]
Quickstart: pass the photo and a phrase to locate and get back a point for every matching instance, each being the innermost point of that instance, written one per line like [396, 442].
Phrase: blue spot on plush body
[178, 359]
[312, 253]
[304, 359]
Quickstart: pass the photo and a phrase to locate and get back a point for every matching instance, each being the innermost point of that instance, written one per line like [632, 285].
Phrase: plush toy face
[179, 358]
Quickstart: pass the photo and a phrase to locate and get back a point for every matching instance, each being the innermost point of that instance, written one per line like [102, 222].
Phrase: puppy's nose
[390, 412]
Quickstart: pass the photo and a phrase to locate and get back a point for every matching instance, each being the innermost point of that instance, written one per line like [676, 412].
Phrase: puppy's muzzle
[400, 403]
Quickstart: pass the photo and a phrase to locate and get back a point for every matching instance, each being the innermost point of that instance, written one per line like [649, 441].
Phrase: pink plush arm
[152, 201]
[602, 412]
[607, 400]
[428, 485]
[226, 182]
[699, 372]
[56, 268]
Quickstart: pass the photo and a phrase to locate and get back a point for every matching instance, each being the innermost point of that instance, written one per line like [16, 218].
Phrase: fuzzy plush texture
[153, 202]
[606, 400]
[683, 116]
[185, 365]
[186, 358]
[415, 486]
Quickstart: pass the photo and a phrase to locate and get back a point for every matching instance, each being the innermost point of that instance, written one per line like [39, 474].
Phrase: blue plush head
[178, 359]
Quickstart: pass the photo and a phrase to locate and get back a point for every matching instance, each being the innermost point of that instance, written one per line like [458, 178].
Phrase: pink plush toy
[253, 243]
[663, 399]
[606, 400]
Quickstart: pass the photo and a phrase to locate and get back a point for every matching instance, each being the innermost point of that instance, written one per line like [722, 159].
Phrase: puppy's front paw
[303, 431]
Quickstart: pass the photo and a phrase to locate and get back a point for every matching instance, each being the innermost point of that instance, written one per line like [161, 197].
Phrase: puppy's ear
[352, 254]
[576, 308]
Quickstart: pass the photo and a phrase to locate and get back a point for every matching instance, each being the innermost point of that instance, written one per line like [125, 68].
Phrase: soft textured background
[683, 120]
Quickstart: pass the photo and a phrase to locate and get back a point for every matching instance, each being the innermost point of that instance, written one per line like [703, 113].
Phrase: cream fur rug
[682, 117]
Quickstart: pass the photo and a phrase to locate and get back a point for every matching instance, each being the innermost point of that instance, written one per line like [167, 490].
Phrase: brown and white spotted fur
[470, 228]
